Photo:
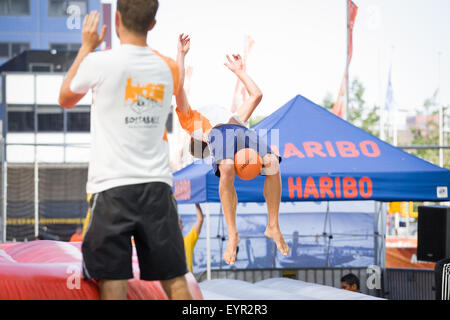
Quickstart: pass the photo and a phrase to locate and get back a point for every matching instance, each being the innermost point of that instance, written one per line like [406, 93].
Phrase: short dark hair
[351, 279]
[137, 15]
[198, 148]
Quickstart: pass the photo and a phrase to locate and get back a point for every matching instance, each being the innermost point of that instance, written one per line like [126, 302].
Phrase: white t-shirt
[198, 123]
[132, 91]
[218, 115]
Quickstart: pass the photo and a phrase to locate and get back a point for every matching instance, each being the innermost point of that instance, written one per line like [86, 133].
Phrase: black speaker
[433, 233]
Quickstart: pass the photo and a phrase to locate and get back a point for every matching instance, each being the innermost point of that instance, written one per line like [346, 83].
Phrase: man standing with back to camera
[129, 173]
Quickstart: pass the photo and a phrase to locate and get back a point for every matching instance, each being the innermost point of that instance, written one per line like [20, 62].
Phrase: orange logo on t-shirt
[134, 94]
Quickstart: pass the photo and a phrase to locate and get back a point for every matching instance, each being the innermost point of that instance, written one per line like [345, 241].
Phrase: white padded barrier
[312, 290]
[242, 290]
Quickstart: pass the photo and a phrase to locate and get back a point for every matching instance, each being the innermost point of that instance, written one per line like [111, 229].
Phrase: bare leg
[177, 288]
[272, 194]
[113, 289]
[228, 198]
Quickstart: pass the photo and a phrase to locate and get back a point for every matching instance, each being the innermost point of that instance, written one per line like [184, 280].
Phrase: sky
[300, 48]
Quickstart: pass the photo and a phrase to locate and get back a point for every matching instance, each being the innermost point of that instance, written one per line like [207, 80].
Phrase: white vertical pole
[208, 243]
[36, 169]
[36, 198]
[441, 115]
[346, 109]
[5, 195]
[382, 235]
[64, 133]
[441, 135]
[395, 126]
[376, 216]
[4, 157]
[380, 232]
[381, 123]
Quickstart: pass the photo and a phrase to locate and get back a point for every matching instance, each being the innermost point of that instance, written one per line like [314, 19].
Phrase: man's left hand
[89, 35]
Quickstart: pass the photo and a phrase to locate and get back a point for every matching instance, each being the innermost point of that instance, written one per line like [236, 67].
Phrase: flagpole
[382, 105]
[395, 139]
[346, 109]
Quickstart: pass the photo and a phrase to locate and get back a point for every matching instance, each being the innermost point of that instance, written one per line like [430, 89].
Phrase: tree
[430, 134]
[328, 101]
[254, 120]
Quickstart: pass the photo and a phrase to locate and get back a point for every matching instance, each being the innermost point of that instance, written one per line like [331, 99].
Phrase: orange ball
[247, 163]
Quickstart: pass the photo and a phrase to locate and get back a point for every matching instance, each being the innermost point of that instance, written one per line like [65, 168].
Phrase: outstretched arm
[199, 222]
[245, 110]
[90, 40]
[184, 43]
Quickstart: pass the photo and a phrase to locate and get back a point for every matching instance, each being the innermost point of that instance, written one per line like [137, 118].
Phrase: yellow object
[412, 213]
[189, 243]
[398, 207]
[292, 274]
[395, 207]
[23, 221]
[405, 209]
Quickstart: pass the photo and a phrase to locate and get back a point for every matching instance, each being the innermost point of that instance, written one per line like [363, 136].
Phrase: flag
[106, 21]
[340, 106]
[352, 11]
[240, 93]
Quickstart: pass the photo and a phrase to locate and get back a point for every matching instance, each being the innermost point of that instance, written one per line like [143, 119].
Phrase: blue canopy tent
[324, 159]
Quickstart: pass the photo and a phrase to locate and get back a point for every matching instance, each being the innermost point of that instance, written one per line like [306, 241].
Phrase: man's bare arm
[245, 110]
[183, 48]
[199, 222]
[90, 41]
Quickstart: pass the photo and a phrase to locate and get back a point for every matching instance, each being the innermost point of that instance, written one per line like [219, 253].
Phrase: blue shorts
[226, 140]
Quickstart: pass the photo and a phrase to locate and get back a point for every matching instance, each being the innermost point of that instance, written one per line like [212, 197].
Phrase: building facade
[29, 110]
[41, 24]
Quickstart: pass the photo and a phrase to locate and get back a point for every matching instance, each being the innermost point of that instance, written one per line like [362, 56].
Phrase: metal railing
[409, 284]
[397, 284]
[324, 276]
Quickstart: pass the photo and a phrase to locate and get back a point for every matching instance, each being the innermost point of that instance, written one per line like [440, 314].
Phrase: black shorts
[148, 212]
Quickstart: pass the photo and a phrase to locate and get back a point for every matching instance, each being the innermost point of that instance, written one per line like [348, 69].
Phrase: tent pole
[327, 241]
[36, 168]
[4, 182]
[382, 234]
[4, 191]
[208, 243]
[375, 237]
[379, 236]
[220, 238]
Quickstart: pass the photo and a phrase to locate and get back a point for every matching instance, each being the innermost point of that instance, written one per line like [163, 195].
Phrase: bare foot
[275, 234]
[230, 252]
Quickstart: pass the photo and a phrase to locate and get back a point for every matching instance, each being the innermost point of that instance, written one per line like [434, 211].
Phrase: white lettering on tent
[442, 192]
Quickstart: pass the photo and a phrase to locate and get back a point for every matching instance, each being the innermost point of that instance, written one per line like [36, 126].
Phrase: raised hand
[184, 44]
[90, 38]
[236, 64]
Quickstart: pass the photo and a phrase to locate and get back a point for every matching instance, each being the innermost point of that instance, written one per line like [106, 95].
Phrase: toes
[283, 248]
[230, 255]
[229, 260]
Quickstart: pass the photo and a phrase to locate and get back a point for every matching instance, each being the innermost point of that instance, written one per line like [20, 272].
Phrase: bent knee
[226, 168]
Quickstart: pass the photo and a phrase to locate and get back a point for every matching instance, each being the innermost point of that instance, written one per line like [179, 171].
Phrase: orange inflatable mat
[51, 270]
